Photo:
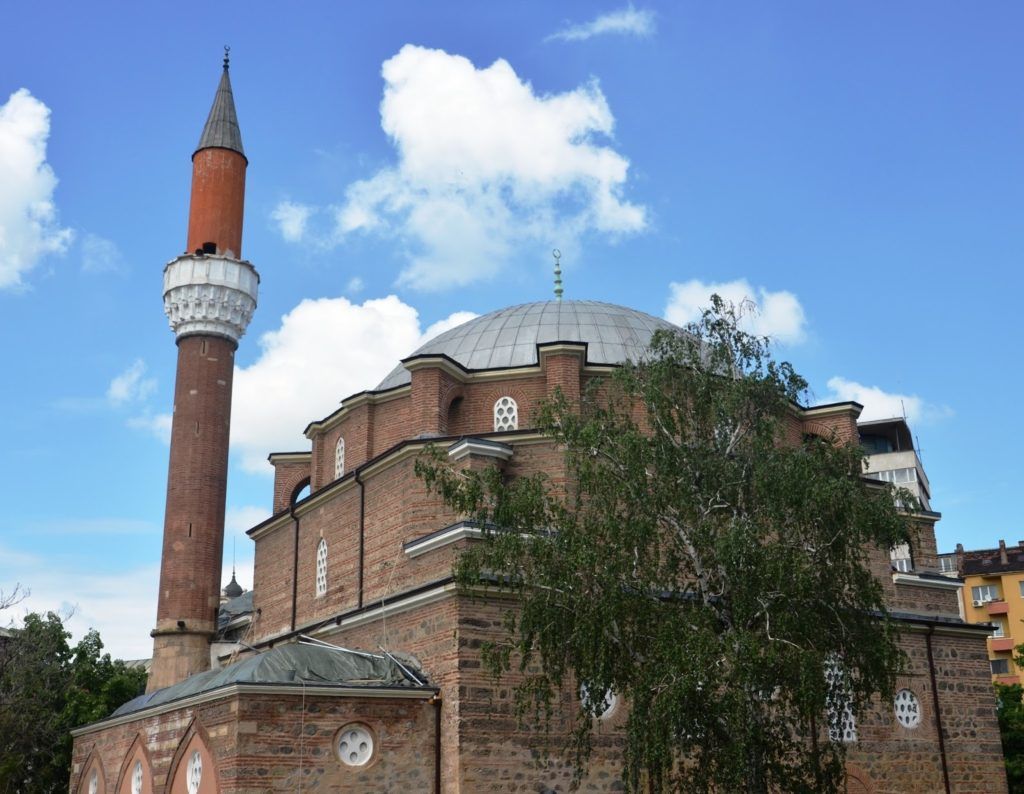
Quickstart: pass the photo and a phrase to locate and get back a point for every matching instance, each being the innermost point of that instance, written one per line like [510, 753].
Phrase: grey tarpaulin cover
[295, 663]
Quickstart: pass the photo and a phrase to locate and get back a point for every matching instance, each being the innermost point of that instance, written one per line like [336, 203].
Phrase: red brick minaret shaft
[209, 297]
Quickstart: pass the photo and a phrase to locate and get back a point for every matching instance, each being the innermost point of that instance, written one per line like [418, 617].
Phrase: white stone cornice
[465, 447]
[210, 294]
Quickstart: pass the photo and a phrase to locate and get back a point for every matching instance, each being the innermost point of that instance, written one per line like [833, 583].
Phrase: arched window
[842, 725]
[321, 567]
[195, 772]
[506, 414]
[339, 458]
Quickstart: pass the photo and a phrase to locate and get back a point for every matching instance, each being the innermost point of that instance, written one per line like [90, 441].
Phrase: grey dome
[509, 337]
[233, 588]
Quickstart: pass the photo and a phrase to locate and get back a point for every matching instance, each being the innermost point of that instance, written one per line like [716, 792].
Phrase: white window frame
[901, 558]
[339, 458]
[506, 414]
[1000, 627]
[321, 568]
[984, 593]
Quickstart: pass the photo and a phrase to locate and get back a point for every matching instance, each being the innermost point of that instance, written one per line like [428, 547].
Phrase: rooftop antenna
[227, 56]
[558, 275]
[233, 539]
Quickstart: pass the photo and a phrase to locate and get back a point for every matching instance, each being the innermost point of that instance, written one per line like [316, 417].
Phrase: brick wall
[255, 743]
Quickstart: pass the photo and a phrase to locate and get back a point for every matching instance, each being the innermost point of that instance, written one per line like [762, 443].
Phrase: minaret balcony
[210, 294]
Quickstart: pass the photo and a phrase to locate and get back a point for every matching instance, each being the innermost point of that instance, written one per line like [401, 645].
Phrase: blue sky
[857, 168]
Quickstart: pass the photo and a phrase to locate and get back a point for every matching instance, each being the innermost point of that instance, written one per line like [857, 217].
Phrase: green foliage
[1010, 709]
[47, 688]
[702, 563]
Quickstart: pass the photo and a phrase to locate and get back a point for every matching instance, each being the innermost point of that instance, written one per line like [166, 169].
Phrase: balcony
[1001, 644]
[999, 607]
[1006, 680]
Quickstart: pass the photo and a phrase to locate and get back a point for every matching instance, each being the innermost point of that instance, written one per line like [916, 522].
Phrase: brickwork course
[390, 546]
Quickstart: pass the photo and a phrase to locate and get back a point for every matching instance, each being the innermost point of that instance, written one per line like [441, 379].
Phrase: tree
[1010, 709]
[47, 688]
[698, 565]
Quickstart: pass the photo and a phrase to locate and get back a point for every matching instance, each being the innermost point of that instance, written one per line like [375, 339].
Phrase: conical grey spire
[221, 130]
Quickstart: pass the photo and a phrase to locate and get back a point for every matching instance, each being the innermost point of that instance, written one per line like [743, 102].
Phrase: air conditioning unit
[978, 602]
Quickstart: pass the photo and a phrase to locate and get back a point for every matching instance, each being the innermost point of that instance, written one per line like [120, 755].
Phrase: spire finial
[558, 274]
[227, 56]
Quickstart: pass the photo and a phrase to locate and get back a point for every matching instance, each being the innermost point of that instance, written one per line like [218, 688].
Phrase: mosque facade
[353, 665]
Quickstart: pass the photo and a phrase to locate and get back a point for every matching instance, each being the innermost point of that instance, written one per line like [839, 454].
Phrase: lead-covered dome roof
[509, 337]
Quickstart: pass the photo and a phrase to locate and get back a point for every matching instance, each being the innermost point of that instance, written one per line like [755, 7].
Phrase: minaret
[209, 297]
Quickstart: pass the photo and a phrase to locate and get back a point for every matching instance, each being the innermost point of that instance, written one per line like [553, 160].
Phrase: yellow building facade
[993, 593]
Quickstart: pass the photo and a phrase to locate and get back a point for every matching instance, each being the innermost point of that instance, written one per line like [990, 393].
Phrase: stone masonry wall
[276, 742]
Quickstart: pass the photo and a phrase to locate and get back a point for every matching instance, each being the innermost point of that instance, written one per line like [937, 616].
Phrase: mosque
[353, 665]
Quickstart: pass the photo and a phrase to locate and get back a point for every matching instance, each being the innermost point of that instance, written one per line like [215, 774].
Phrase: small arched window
[195, 773]
[506, 414]
[339, 458]
[321, 567]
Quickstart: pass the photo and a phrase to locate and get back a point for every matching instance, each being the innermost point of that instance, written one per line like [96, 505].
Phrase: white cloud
[880, 404]
[121, 606]
[777, 315]
[485, 167]
[291, 219]
[355, 284]
[100, 255]
[628, 21]
[324, 351]
[157, 425]
[28, 217]
[131, 385]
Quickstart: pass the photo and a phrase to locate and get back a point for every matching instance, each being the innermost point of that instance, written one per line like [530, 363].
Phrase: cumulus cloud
[132, 385]
[157, 425]
[100, 255]
[291, 220]
[628, 21]
[485, 167]
[323, 351]
[121, 606]
[777, 315]
[28, 217]
[880, 404]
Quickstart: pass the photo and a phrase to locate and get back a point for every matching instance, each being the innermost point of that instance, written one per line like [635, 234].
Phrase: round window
[604, 708]
[355, 745]
[137, 778]
[908, 709]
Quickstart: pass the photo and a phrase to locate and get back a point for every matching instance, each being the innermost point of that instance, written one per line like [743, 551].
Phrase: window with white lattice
[195, 773]
[842, 726]
[321, 567]
[137, 778]
[506, 414]
[907, 708]
[339, 458]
